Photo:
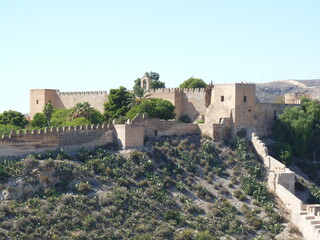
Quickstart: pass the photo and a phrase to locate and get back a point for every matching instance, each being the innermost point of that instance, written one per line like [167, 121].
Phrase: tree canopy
[81, 110]
[13, 118]
[138, 96]
[117, 106]
[39, 121]
[47, 111]
[300, 128]
[193, 83]
[155, 108]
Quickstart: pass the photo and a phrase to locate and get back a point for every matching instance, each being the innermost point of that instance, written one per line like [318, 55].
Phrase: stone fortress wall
[71, 139]
[294, 98]
[61, 100]
[189, 102]
[282, 182]
[225, 107]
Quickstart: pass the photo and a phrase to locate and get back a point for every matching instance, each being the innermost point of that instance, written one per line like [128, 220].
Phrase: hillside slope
[267, 92]
[173, 188]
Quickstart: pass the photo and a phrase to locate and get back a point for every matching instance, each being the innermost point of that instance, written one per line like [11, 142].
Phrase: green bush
[13, 118]
[83, 187]
[172, 215]
[39, 121]
[78, 122]
[155, 108]
[5, 129]
[185, 119]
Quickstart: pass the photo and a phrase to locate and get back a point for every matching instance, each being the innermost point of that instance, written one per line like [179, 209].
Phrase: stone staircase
[308, 221]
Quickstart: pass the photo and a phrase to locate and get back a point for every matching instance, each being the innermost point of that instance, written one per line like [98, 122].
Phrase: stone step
[314, 222]
[303, 213]
[309, 217]
[317, 226]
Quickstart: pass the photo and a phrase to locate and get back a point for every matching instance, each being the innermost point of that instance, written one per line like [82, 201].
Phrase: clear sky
[80, 45]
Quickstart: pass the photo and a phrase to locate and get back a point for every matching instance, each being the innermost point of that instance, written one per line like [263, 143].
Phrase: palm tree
[139, 95]
[81, 110]
[47, 111]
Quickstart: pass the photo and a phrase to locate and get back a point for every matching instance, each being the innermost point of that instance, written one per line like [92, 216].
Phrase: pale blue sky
[78, 45]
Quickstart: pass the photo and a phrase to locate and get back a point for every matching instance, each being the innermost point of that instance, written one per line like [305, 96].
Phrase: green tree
[294, 126]
[96, 117]
[155, 108]
[13, 118]
[283, 152]
[78, 122]
[117, 106]
[193, 83]
[139, 95]
[137, 84]
[47, 111]
[299, 127]
[59, 117]
[81, 110]
[39, 121]
[6, 129]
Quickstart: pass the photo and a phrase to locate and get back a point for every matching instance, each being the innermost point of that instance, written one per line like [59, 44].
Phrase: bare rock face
[267, 92]
[37, 176]
[29, 184]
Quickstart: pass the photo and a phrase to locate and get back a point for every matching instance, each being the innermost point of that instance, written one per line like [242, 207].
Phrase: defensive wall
[234, 104]
[71, 139]
[282, 182]
[61, 100]
[294, 98]
[191, 102]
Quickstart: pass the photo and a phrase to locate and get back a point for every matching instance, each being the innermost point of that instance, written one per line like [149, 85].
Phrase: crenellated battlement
[82, 93]
[181, 90]
[294, 98]
[53, 130]
[296, 95]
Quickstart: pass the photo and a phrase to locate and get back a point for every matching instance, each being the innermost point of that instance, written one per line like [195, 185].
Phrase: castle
[224, 108]
[218, 111]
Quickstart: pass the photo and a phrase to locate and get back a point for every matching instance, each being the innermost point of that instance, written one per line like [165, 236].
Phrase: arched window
[144, 84]
[275, 114]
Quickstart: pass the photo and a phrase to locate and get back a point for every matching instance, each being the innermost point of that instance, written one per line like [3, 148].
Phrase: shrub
[187, 234]
[39, 121]
[185, 119]
[83, 187]
[172, 215]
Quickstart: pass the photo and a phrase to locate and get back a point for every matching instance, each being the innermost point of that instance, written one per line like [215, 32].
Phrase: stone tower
[146, 82]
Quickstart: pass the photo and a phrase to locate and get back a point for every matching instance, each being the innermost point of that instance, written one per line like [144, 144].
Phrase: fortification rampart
[61, 100]
[156, 127]
[188, 101]
[181, 90]
[294, 98]
[88, 93]
[282, 181]
[19, 143]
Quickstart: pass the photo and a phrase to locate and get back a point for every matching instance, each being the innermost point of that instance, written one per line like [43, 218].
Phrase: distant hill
[267, 92]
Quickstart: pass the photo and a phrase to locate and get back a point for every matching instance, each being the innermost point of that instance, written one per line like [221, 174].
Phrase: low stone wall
[19, 143]
[282, 181]
[289, 199]
[156, 127]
